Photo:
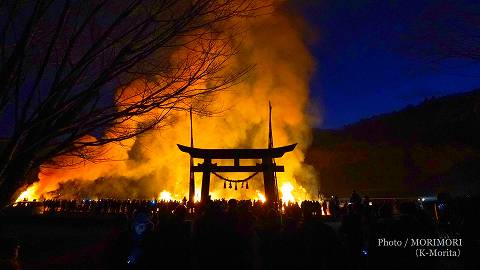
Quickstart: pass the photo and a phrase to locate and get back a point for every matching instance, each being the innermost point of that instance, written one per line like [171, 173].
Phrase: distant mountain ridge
[434, 145]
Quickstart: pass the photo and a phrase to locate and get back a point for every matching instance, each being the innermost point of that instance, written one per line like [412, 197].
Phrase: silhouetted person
[351, 229]
[135, 249]
[9, 250]
[334, 206]
[355, 198]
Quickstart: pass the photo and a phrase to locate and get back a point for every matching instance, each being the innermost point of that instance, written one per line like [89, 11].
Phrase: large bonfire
[151, 166]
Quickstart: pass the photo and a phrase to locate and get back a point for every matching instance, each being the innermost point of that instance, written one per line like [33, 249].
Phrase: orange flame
[275, 44]
[261, 197]
[29, 194]
[287, 189]
[165, 196]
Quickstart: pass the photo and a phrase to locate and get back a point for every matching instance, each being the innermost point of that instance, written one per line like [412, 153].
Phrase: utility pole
[270, 146]
[191, 191]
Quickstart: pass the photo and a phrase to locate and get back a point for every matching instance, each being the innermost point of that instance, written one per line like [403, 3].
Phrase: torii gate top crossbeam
[260, 153]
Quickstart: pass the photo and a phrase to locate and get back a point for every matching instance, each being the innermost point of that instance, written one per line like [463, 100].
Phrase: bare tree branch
[81, 74]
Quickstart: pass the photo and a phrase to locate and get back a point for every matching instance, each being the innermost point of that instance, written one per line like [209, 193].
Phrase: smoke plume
[275, 45]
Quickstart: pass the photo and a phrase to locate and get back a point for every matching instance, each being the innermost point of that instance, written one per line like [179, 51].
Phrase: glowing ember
[287, 189]
[29, 194]
[165, 196]
[261, 197]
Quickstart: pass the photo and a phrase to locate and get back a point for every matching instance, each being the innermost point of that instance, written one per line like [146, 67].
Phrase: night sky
[361, 69]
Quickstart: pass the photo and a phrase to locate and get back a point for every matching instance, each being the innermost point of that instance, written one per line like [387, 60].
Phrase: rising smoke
[275, 44]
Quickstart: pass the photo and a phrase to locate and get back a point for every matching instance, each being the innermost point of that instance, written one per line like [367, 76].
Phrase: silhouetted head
[232, 204]
[142, 223]
[385, 210]
[9, 248]
[180, 212]
[408, 208]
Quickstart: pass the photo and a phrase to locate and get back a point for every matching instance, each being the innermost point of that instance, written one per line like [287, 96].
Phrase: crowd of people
[248, 234]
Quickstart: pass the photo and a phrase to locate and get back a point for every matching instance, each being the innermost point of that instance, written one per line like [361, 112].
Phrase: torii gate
[268, 167]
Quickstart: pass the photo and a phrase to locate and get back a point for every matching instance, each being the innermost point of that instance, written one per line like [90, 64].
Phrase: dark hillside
[431, 146]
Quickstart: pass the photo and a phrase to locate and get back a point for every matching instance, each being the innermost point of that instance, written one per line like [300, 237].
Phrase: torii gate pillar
[269, 179]
[207, 166]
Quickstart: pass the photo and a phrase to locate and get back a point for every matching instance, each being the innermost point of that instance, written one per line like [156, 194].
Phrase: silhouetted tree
[75, 75]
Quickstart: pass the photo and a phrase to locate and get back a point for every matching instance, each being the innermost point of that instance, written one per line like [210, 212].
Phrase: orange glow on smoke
[275, 45]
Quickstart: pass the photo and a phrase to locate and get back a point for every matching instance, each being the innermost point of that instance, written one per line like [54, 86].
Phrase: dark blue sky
[362, 70]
